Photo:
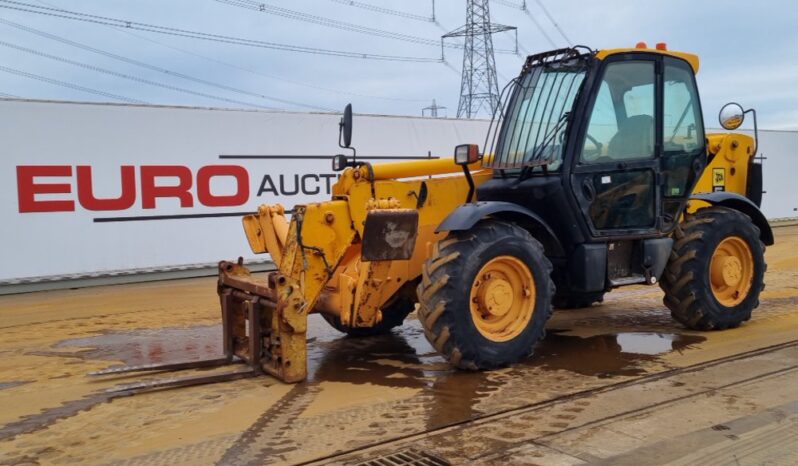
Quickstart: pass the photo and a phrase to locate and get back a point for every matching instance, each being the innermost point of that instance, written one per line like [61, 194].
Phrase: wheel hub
[731, 271]
[727, 271]
[496, 296]
[502, 298]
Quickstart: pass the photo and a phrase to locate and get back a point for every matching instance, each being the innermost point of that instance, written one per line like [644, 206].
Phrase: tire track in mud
[265, 440]
[47, 417]
[445, 400]
[457, 445]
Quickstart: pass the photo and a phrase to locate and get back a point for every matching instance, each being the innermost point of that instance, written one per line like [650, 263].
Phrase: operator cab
[605, 147]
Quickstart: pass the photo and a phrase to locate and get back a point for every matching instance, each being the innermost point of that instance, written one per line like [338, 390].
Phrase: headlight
[339, 162]
[466, 154]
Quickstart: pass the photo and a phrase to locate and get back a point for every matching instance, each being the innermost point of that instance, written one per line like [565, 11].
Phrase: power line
[12, 96]
[152, 67]
[250, 70]
[260, 73]
[529, 15]
[129, 77]
[94, 19]
[336, 24]
[69, 85]
[540, 28]
[327, 22]
[387, 11]
[551, 18]
[510, 4]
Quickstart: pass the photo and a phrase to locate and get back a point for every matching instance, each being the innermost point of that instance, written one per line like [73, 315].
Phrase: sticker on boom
[390, 235]
[718, 179]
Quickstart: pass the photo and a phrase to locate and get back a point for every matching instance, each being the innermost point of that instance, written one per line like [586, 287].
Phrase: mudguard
[743, 204]
[467, 215]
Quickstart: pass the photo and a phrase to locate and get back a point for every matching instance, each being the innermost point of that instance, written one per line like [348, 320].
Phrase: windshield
[536, 116]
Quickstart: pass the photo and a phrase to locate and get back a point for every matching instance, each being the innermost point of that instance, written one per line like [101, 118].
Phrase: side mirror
[345, 127]
[731, 116]
[466, 154]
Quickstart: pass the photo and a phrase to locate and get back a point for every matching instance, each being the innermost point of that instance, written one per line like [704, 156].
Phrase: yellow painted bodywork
[329, 269]
[321, 268]
[691, 58]
[732, 155]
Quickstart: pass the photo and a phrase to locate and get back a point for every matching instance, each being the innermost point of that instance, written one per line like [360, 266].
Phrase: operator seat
[634, 139]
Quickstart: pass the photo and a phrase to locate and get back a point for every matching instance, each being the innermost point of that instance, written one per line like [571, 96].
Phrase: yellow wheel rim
[502, 298]
[731, 271]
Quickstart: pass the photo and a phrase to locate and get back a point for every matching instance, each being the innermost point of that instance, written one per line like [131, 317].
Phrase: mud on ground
[360, 392]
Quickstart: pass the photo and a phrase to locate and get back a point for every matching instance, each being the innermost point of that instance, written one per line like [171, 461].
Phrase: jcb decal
[718, 179]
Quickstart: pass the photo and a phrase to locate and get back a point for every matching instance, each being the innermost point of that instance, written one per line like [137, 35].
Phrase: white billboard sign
[99, 188]
[91, 188]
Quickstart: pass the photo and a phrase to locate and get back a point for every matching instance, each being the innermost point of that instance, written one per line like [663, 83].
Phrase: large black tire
[577, 300]
[393, 314]
[444, 294]
[686, 280]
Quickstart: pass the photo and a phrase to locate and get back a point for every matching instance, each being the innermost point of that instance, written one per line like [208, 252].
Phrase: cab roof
[690, 58]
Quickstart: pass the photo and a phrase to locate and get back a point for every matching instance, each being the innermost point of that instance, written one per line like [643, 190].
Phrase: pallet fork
[266, 337]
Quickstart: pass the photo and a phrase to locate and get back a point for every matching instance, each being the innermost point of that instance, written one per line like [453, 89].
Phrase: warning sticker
[718, 179]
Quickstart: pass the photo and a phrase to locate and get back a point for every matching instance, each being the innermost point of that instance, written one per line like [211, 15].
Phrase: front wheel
[485, 295]
[716, 270]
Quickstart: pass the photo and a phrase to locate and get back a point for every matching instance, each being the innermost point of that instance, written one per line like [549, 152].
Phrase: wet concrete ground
[360, 392]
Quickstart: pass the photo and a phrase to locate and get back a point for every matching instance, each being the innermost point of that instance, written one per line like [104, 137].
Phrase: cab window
[683, 131]
[682, 136]
[621, 123]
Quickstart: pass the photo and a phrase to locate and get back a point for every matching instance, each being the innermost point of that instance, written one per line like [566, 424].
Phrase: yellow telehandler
[596, 174]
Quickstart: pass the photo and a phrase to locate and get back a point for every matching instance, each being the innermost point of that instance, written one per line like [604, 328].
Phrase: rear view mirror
[345, 126]
[731, 116]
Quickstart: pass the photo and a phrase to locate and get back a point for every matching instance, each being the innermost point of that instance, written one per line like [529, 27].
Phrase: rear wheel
[485, 295]
[716, 270]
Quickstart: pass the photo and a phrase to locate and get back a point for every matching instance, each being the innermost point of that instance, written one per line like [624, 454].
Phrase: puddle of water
[606, 355]
[652, 343]
[154, 346]
[402, 359]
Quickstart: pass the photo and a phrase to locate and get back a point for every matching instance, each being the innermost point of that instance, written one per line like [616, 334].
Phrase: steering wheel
[592, 154]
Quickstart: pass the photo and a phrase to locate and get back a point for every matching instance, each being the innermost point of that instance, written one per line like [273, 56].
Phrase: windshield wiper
[681, 120]
[548, 137]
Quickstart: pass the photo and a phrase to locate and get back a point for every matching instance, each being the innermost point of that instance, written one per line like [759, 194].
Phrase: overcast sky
[748, 51]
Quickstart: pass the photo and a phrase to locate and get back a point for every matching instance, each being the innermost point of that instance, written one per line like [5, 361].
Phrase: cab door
[615, 172]
[683, 141]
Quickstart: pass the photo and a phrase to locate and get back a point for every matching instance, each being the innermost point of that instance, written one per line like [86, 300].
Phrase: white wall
[107, 137]
[780, 149]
